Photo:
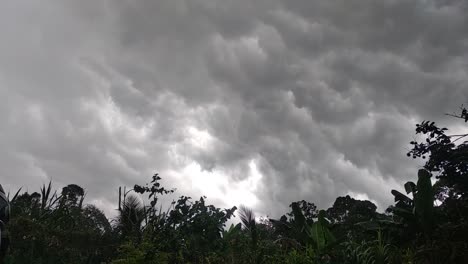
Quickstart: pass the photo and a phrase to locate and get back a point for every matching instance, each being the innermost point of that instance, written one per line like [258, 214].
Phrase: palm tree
[247, 217]
[131, 217]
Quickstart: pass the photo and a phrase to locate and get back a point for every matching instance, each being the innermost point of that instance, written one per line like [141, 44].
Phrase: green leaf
[399, 197]
[320, 233]
[410, 187]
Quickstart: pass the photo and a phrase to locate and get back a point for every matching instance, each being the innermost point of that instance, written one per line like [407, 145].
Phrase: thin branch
[458, 137]
[454, 115]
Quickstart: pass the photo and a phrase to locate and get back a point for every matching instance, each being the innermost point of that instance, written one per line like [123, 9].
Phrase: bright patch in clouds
[199, 138]
[216, 184]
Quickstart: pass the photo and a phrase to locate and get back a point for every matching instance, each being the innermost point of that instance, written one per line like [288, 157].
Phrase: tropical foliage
[426, 224]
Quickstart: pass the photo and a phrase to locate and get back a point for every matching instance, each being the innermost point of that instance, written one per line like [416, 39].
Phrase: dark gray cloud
[256, 102]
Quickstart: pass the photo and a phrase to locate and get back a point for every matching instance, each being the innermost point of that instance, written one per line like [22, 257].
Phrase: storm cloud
[255, 102]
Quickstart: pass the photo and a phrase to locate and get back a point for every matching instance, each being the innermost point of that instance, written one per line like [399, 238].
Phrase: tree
[130, 218]
[347, 213]
[447, 156]
[439, 230]
[248, 220]
[47, 228]
[72, 196]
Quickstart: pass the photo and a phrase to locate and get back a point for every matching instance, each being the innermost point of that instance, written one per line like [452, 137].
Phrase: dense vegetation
[428, 224]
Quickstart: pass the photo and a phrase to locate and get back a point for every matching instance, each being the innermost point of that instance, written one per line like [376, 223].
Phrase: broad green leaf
[410, 187]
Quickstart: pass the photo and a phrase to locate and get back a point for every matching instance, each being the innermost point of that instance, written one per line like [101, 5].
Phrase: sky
[254, 102]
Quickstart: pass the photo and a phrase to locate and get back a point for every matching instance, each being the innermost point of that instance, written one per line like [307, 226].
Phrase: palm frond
[246, 216]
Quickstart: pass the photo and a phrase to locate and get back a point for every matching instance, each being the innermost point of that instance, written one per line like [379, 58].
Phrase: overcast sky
[255, 102]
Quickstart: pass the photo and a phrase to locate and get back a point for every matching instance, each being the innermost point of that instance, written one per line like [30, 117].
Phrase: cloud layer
[255, 102]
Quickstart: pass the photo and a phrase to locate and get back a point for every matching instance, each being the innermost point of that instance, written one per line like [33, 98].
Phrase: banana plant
[233, 231]
[320, 233]
[420, 210]
[316, 234]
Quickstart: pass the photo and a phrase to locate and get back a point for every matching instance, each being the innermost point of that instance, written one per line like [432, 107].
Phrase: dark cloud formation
[256, 102]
